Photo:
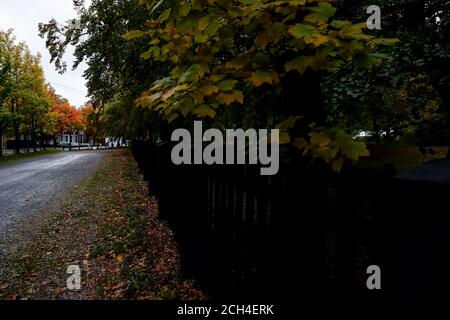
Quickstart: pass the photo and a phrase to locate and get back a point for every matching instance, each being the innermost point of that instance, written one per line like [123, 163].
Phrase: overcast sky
[24, 16]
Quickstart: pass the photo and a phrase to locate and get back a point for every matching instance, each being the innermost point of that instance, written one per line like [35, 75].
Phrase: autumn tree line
[308, 67]
[30, 110]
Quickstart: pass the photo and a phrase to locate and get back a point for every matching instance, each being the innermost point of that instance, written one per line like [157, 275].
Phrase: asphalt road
[29, 186]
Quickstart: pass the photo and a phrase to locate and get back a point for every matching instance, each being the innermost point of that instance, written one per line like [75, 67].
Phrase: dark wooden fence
[305, 230]
[246, 235]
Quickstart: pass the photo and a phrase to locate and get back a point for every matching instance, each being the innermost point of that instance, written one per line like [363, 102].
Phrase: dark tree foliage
[409, 94]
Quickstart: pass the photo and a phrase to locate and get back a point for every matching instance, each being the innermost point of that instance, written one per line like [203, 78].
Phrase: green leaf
[285, 138]
[366, 60]
[204, 111]
[300, 64]
[337, 164]
[227, 85]
[201, 38]
[260, 77]
[355, 149]
[300, 143]
[194, 72]
[339, 24]
[212, 29]
[387, 42]
[162, 84]
[209, 90]
[153, 52]
[165, 15]
[172, 117]
[184, 10]
[237, 63]
[189, 23]
[302, 30]
[320, 138]
[229, 98]
[323, 12]
[133, 35]
[185, 106]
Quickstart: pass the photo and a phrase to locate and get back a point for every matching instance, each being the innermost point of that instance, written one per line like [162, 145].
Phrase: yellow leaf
[317, 40]
[229, 98]
[206, 91]
[149, 100]
[320, 139]
[260, 77]
[134, 34]
[285, 138]
[337, 164]
[301, 64]
[300, 143]
[263, 39]
[288, 123]
[209, 90]
[172, 91]
[204, 111]
[203, 23]
[236, 64]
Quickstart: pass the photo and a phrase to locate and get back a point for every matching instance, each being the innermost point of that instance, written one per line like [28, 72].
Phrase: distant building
[75, 139]
[116, 142]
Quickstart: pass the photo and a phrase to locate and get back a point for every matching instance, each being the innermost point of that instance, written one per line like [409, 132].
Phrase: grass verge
[110, 229]
[28, 155]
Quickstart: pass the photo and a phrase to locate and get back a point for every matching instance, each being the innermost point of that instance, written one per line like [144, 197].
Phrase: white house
[75, 139]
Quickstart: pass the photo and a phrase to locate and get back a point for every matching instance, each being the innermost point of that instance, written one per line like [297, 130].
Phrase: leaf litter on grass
[110, 229]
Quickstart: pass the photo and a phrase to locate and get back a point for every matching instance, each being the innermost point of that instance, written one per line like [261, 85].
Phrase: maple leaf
[260, 77]
[229, 98]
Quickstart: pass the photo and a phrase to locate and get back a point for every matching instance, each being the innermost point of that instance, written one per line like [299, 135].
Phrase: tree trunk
[17, 137]
[42, 139]
[15, 110]
[1, 140]
[33, 137]
[27, 139]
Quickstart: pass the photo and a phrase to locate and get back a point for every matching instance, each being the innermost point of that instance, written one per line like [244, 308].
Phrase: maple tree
[94, 123]
[24, 100]
[258, 63]
[29, 107]
[220, 50]
[69, 118]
